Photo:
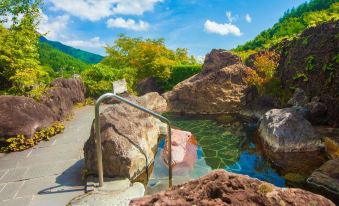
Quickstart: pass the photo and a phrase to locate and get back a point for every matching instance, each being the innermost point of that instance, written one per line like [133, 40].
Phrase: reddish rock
[23, 115]
[225, 188]
[184, 151]
[62, 95]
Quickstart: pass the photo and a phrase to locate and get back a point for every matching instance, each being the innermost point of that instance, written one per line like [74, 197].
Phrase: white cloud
[248, 18]
[230, 17]
[7, 20]
[127, 24]
[91, 43]
[222, 29]
[95, 10]
[53, 28]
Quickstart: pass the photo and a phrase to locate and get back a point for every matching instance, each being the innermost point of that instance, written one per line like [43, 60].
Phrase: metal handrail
[98, 135]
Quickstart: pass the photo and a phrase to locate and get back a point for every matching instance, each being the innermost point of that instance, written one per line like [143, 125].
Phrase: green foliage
[20, 142]
[305, 41]
[273, 88]
[301, 76]
[180, 73]
[20, 70]
[294, 22]
[135, 59]
[265, 65]
[310, 63]
[149, 57]
[244, 54]
[98, 79]
[56, 59]
[83, 56]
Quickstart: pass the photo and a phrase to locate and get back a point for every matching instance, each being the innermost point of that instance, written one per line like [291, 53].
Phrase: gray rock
[326, 180]
[153, 101]
[114, 193]
[129, 139]
[318, 111]
[147, 85]
[285, 130]
[299, 98]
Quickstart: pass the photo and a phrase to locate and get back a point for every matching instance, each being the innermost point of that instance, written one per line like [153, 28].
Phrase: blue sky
[198, 25]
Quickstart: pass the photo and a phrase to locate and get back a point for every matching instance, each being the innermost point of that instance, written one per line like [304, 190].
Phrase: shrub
[265, 65]
[20, 142]
[178, 74]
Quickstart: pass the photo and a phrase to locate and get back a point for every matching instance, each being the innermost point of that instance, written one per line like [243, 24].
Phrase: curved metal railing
[98, 135]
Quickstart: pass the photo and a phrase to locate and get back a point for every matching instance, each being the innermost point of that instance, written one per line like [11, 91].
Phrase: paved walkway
[50, 173]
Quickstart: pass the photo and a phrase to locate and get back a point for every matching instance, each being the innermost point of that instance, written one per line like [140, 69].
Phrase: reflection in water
[230, 147]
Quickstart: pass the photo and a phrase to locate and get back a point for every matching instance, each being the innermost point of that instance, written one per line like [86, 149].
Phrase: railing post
[98, 135]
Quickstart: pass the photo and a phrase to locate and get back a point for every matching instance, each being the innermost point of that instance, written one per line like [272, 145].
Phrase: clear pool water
[220, 146]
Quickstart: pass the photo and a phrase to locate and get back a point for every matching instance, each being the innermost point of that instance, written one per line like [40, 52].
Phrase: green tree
[19, 58]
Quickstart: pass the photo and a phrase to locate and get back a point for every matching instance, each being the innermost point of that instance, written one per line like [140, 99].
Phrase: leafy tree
[294, 22]
[19, 58]
[150, 57]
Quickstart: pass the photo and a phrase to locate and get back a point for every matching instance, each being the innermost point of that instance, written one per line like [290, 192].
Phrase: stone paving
[48, 174]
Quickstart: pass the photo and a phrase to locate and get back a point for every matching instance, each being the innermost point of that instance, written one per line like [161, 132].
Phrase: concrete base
[115, 192]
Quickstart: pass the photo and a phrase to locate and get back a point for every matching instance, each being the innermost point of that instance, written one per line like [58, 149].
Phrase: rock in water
[218, 88]
[184, 151]
[129, 139]
[23, 116]
[286, 130]
[326, 180]
[224, 188]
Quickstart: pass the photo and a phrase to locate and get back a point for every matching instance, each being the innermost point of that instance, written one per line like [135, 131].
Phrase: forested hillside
[84, 56]
[293, 22]
[57, 60]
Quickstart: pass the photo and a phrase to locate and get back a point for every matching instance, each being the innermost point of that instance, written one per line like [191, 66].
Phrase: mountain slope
[293, 22]
[51, 57]
[84, 56]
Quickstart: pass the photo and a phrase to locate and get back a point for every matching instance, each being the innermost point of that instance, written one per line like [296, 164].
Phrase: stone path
[48, 174]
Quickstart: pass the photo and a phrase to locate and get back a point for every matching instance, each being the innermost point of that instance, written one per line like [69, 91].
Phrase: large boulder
[153, 101]
[317, 111]
[286, 130]
[147, 85]
[23, 116]
[129, 140]
[326, 180]
[224, 188]
[218, 88]
[62, 95]
[310, 62]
